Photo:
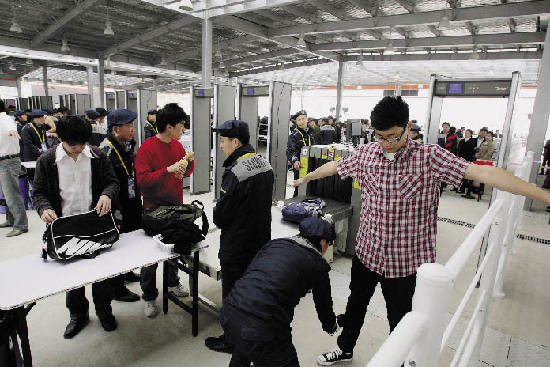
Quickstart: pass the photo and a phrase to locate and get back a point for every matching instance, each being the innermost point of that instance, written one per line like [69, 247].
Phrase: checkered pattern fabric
[399, 202]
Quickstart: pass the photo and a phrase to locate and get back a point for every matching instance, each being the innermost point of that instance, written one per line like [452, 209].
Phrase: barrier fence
[421, 336]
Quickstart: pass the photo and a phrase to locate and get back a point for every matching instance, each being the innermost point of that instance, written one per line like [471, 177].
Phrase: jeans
[256, 341]
[9, 181]
[149, 279]
[398, 293]
[78, 304]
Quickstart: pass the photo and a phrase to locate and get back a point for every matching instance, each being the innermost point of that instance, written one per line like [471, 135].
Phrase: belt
[9, 157]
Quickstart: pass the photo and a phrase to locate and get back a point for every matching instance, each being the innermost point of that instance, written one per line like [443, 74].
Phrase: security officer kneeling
[257, 314]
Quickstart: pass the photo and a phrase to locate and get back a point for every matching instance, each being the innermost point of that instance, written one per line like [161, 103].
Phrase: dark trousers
[256, 342]
[231, 272]
[296, 176]
[398, 293]
[78, 304]
[149, 279]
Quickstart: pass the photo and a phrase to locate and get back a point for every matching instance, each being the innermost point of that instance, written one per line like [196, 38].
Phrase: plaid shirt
[399, 201]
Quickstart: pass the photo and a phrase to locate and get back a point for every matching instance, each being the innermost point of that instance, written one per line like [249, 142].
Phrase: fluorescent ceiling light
[186, 5]
[108, 31]
[65, 46]
[15, 28]
[444, 22]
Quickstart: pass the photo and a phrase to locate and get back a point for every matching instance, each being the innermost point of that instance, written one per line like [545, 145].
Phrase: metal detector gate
[248, 108]
[224, 110]
[200, 132]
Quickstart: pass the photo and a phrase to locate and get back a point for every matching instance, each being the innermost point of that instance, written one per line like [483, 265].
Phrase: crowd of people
[263, 280]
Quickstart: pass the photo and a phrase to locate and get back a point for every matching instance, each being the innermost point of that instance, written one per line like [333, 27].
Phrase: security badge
[131, 188]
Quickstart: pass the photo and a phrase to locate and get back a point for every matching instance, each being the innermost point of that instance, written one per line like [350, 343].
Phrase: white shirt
[75, 181]
[9, 145]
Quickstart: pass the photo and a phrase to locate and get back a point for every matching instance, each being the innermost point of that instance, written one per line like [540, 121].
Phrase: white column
[541, 112]
[339, 88]
[91, 86]
[45, 79]
[399, 88]
[206, 53]
[101, 72]
[18, 85]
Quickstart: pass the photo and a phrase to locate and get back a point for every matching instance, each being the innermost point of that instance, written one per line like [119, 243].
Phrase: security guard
[415, 133]
[99, 128]
[34, 136]
[150, 124]
[257, 314]
[243, 212]
[119, 147]
[299, 138]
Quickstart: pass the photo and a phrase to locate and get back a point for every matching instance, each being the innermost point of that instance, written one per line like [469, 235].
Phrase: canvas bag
[297, 211]
[80, 235]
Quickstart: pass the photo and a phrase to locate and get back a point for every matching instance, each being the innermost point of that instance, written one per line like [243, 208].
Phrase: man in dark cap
[243, 212]
[150, 124]
[414, 134]
[99, 127]
[257, 314]
[34, 136]
[299, 138]
[119, 147]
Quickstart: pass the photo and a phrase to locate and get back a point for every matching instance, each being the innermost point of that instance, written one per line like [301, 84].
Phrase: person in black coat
[299, 138]
[243, 212]
[257, 314]
[34, 137]
[150, 128]
[119, 147]
[467, 150]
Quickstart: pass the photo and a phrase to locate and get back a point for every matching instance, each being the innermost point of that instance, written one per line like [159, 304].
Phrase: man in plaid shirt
[399, 180]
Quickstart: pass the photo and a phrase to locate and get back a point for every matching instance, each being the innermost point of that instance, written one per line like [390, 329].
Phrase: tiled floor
[518, 332]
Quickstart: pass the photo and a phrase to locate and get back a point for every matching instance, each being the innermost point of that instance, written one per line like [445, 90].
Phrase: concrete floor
[518, 333]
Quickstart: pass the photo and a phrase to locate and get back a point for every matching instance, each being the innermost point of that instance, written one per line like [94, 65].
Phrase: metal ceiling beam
[485, 39]
[73, 13]
[291, 9]
[408, 5]
[325, 6]
[263, 56]
[157, 32]
[435, 31]
[263, 32]
[516, 10]
[472, 28]
[265, 69]
[512, 24]
[370, 6]
[197, 52]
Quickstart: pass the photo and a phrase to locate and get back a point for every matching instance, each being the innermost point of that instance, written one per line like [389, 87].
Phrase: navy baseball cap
[37, 113]
[415, 127]
[316, 227]
[102, 111]
[152, 112]
[234, 129]
[18, 113]
[120, 117]
[92, 114]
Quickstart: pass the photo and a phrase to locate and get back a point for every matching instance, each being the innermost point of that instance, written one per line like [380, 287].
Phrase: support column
[339, 88]
[91, 85]
[18, 85]
[206, 53]
[541, 112]
[101, 73]
[399, 89]
[45, 79]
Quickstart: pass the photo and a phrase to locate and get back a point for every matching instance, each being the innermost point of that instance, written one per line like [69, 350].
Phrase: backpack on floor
[81, 235]
[297, 211]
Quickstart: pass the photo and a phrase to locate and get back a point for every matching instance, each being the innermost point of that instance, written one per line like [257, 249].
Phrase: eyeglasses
[380, 139]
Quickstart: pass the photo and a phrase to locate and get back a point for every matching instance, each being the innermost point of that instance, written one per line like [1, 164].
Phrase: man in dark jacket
[257, 314]
[34, 136]
[99, 127]
[150, 128]
[243, 212]
[60, 191]
[299, 138]
[119, 147]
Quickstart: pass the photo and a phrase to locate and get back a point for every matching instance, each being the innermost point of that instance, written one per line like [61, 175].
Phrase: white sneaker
[151, 309]
[178, 291]
[334, 356]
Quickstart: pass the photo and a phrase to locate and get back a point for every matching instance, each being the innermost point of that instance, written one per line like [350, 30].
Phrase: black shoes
[126, 295]
[108, 322]
[76, 325]
[5, 225]
[468, 196]
[219, 344]
[131, 277]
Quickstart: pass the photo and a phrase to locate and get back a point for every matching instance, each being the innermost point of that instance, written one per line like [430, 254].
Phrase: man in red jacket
[160, 167]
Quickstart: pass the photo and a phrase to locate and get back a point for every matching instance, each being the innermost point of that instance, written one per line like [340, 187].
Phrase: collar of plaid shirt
[400, 198]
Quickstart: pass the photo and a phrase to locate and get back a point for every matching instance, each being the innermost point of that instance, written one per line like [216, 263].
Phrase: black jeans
[149, 279]
[398, 293]
[256, 341]
[231, 272]
[78, 304]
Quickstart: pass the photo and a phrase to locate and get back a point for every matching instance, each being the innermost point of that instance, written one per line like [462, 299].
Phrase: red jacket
[157, 185]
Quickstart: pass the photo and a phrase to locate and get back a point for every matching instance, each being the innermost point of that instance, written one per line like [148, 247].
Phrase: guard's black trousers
[256, 342]
[102, 295]
[398, 293]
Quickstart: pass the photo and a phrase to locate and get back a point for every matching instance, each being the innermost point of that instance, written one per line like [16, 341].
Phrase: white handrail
[418, 332]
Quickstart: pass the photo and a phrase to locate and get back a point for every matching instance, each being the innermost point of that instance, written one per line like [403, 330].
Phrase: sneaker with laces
[151, 309]
[336, 355]
[178, 291]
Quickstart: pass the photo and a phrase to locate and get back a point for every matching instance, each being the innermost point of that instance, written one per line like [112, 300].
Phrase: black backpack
[81, 235]
[295, 212]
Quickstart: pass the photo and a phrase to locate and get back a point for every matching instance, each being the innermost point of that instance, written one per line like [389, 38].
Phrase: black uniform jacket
[32, 142]
[282, 272]
[46, 181]
[243, 212]
[296, 142]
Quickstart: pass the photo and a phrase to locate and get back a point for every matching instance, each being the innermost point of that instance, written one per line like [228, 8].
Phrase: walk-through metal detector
[248, 108]
[82, 103]
[120, 99]
[441, 88]
[224, 110]
[146, 100]
[110, 101]
[201, 99]
[46, 102]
